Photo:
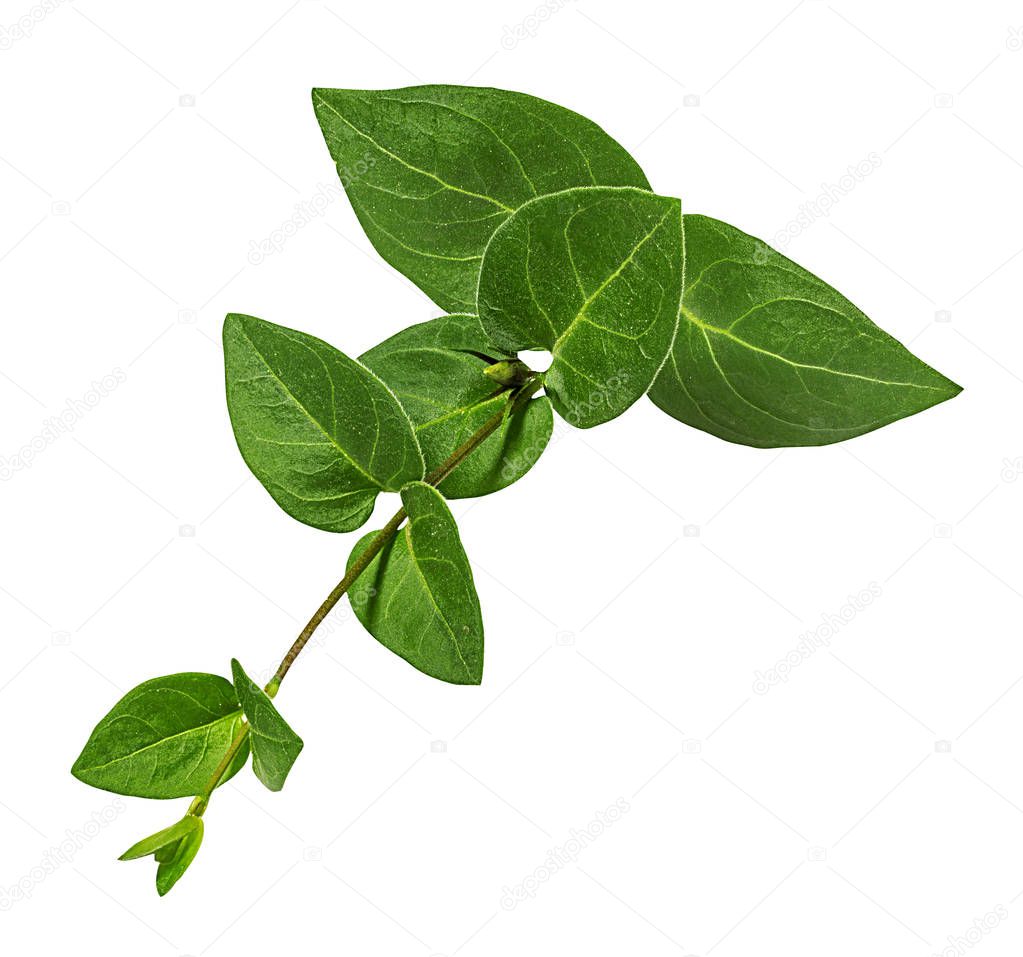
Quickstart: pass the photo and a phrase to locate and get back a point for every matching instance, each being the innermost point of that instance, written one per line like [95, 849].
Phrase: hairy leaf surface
[321, 432]
[164, 738]
[432, 171]
[594, 276]
[769, 355]
[417, 596]
[275, 747]
[435, 369]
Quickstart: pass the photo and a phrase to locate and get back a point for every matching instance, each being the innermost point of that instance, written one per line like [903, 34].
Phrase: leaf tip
[946, 389]
[80, 769]
[232, 325]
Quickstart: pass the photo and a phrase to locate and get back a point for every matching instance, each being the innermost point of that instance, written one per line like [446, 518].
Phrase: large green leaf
[435, 369]
[417, 596]
[321, 432]
[165, 738]
[275, 747]
[593, 275]
[769, 355]
[432, 171]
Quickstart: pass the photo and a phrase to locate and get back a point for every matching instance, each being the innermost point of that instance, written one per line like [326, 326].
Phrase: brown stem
[516, 399]
[391, 528]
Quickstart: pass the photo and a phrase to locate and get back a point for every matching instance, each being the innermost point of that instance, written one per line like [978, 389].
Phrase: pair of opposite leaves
[545, 229]
[167, 737]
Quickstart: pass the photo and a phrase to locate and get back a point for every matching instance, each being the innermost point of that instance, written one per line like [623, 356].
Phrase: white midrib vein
[415, 169]
[330, 439]
[706, 327]
[433, 601]
[232, 716]
[580, 315]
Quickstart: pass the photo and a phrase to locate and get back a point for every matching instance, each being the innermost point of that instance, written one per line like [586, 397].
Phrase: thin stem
[198, 806]
[391, 528]
[358, 567]
[516, 399]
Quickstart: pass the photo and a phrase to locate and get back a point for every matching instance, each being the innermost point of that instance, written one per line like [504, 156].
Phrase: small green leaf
[174, 848]
[321, 432]
[170, 869]
[417, 596]
[432, 171]
[769, 355]
[161, 840]
[437, 369]
[165, 738]
[275, 747]
[595, 277]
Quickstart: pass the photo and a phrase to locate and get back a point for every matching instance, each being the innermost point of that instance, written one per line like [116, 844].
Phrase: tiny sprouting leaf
[769, 355]
[321, 432]
[275, 747]
[594, 276]
[417, 596]
[161, 840]
[436, 369]
[170, 867]
[432, 171]
[174, 848]
[164, 738]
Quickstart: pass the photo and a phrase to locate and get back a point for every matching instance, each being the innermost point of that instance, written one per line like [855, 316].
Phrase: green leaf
[321, 432]
[594, 276]
[436, 370]
[275, 747]
[769, 355]
[161, 840]
[165, 738]
[417, 596]
[170, 868]
[432, 171]
[174, 848]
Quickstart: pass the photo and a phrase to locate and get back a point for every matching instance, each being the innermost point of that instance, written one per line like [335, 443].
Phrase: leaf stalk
[517, 397]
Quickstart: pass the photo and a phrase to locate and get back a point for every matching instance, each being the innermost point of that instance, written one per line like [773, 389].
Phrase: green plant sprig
[534, 230]
[361, 563]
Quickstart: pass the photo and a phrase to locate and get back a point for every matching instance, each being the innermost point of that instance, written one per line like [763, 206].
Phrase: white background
[871, 803]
